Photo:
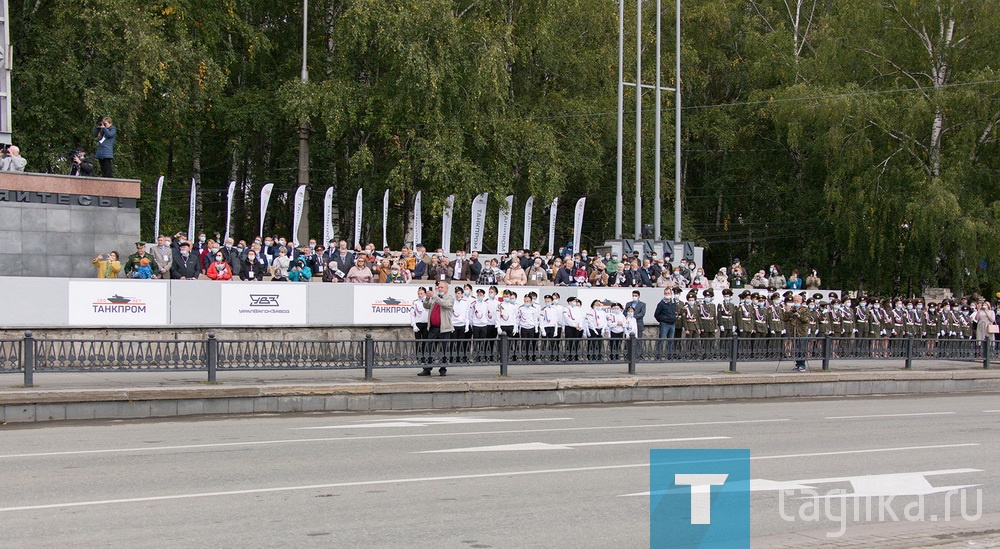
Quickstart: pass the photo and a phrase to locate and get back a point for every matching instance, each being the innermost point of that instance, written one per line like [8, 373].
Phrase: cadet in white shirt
[615, 326]
[549, 328]
[418, 320]
[594, 323]
[506, 314]
[481, 316]
[460, 321]
[528, 318]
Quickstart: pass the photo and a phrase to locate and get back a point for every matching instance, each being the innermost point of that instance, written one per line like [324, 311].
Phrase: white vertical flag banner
[418, 230]
[265, 199]
[449, 207]
[478, 225]
[357, 219]
[229, 208]
[529, 206]
[503, 226]
[552, 224]
[328, 216]
[191, 212]
[300, 199]
[385, 217]
[159, 194]
[578, 223]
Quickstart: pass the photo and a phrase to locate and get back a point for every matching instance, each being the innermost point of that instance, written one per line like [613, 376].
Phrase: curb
[32, 405]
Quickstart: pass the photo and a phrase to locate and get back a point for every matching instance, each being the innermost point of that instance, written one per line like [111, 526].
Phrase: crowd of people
[278, 259]
[789, 323]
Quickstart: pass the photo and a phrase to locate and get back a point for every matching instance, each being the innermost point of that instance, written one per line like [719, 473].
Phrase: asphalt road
[540, 477]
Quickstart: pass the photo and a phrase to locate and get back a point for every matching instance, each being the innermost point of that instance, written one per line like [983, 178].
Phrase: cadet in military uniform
[689, 320]
[798, 318]
[708, 323]
[727, 314]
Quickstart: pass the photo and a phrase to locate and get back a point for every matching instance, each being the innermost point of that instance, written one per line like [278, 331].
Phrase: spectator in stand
[219, 269]
[133, 262]
[737, 276]
[680, 281]
[491, 274]
[360, 273]
[106, 133]
[515, 275]
[163, 254]
[759, 281]
[598, 277]
[460, 267]
[143, 269]
[395, 275]
[383, 270]
[612, 265]
[107, 267]
[665, 280]
[444, 269]
[537, 275]
[475, 268]
[333, 273]
[984, 317]
[794, 282]
[640, 276]
[299, 272]
[812, 281]
[721, 281]
[564, 274]
[255, 267]
[580, 277]
[186, 265]
[280, 265]
[12, 160]
[776, 280]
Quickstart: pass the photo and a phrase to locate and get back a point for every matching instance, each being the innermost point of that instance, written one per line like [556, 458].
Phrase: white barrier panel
[383, 304]
[253, 304]
[114, 302]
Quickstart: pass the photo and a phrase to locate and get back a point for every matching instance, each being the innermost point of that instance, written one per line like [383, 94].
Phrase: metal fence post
[212, 350]
[987, 348]
[827, 352]
[504, 353]
[632, 348]
[28, 359]
[369, 356]
[734, 351]
[908, 365]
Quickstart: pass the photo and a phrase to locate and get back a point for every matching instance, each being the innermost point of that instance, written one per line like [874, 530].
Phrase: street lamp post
[303, 177]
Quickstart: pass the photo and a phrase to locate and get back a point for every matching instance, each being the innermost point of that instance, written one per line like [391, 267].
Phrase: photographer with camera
[82, 165]
[12, 160]
[105, 132]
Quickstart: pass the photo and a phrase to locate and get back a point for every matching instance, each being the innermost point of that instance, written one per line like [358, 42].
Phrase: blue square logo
[699, 499]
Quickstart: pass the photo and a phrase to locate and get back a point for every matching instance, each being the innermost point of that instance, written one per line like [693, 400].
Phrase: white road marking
[893, 415]
[546, 446]
[991, 411]
[376, 437]
[427, 421]
[408, 481]
[894, 484]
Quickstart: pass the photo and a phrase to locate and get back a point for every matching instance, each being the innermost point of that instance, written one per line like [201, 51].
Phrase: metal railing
[29, 355]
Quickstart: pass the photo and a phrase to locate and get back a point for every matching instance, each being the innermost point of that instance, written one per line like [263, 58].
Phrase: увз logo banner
[699, 499]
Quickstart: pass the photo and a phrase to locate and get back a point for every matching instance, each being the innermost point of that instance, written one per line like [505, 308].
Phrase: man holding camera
[105, 132]
[82, 165]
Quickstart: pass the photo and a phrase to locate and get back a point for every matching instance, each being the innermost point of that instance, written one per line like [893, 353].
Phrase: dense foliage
[855, 137]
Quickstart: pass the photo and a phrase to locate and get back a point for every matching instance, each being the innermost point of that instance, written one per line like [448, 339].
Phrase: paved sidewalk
[980, 534]
[516, 371]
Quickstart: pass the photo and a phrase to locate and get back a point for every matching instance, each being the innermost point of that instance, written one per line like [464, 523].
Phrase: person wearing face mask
[528, 320]
[615, 328]
[573, 328]
[776, 280]
[726, 314]
[280, 266]
[666, 315]
[419, 316]
[910, 319]
[689, 320]
[708, 324]
[631, 329]
[200, 245]
[506, 314]
[462, 328]
[744, 315]
[333, 273]
[548, 328]
[594, 322]
[163, 253]
[481, 316]
[186, 266]
[537, 275]
[798, 318]
[395, 275]
[254, 268]
[219, 269]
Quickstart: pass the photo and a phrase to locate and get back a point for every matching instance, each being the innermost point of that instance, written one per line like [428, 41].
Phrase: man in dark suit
[460, 267]
[640, 312]
[475, 267]
[186, 265]
[343, 256]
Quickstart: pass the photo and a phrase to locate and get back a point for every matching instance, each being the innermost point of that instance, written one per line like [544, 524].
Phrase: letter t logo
[701, 494]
